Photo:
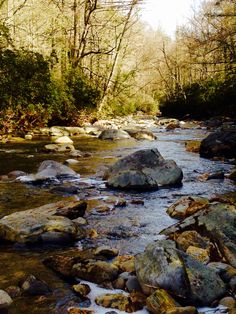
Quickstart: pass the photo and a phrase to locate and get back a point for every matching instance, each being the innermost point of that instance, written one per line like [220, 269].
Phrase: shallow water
[128, 228]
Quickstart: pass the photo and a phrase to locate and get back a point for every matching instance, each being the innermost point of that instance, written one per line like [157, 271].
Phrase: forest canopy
[96, 58]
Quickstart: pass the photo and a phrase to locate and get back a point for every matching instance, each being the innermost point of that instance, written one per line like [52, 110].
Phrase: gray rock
[32, 224]
[74, 130]
[58, 131]
[163, 266]
[219, 144]
[133, 284]
[142, 135]
[225, 271]
[5, 300]
[143, 170]
[111, 134]
[50, 169]
[92, 130]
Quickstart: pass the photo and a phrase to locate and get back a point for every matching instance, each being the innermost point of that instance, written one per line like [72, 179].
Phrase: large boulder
[40, 224]
[143, 170]
[112, 134]
[163, 266]
[219, 144]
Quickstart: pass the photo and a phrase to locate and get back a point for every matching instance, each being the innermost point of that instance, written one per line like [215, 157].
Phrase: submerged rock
[164, 266]
[219, 144]
[34, 286]
[143, 170]
[39, 223]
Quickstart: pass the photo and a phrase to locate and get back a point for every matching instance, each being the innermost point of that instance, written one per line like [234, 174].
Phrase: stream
[128, 228]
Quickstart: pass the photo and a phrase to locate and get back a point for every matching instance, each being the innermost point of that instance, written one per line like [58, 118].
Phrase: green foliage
[85, 94]
[25, 78]
[71, 96]
[130, 104]
[203, 100]
[31, 97]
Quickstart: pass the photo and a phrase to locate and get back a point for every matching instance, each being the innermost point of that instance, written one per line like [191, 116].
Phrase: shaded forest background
[65, 61]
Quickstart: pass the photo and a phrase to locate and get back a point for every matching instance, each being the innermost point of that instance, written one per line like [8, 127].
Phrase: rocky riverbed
[61, 215]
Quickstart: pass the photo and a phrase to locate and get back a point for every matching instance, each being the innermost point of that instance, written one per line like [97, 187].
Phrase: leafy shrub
[22, 119]
[25, 78]
[85, 94]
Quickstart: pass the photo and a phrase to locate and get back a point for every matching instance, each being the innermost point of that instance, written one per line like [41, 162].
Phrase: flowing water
[128, 228]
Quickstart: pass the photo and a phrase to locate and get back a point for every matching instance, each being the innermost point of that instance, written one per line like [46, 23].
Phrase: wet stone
[186, 206]
[33, 286]
[160, 302]
[5, 300]
[106, 251]
[191, 238]
[76, 310]
[74, 211]
[82, 289]
[225, 271]
[95, 271]
[199, 254]
[229, 302]
[132, 284]
[118, 301]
